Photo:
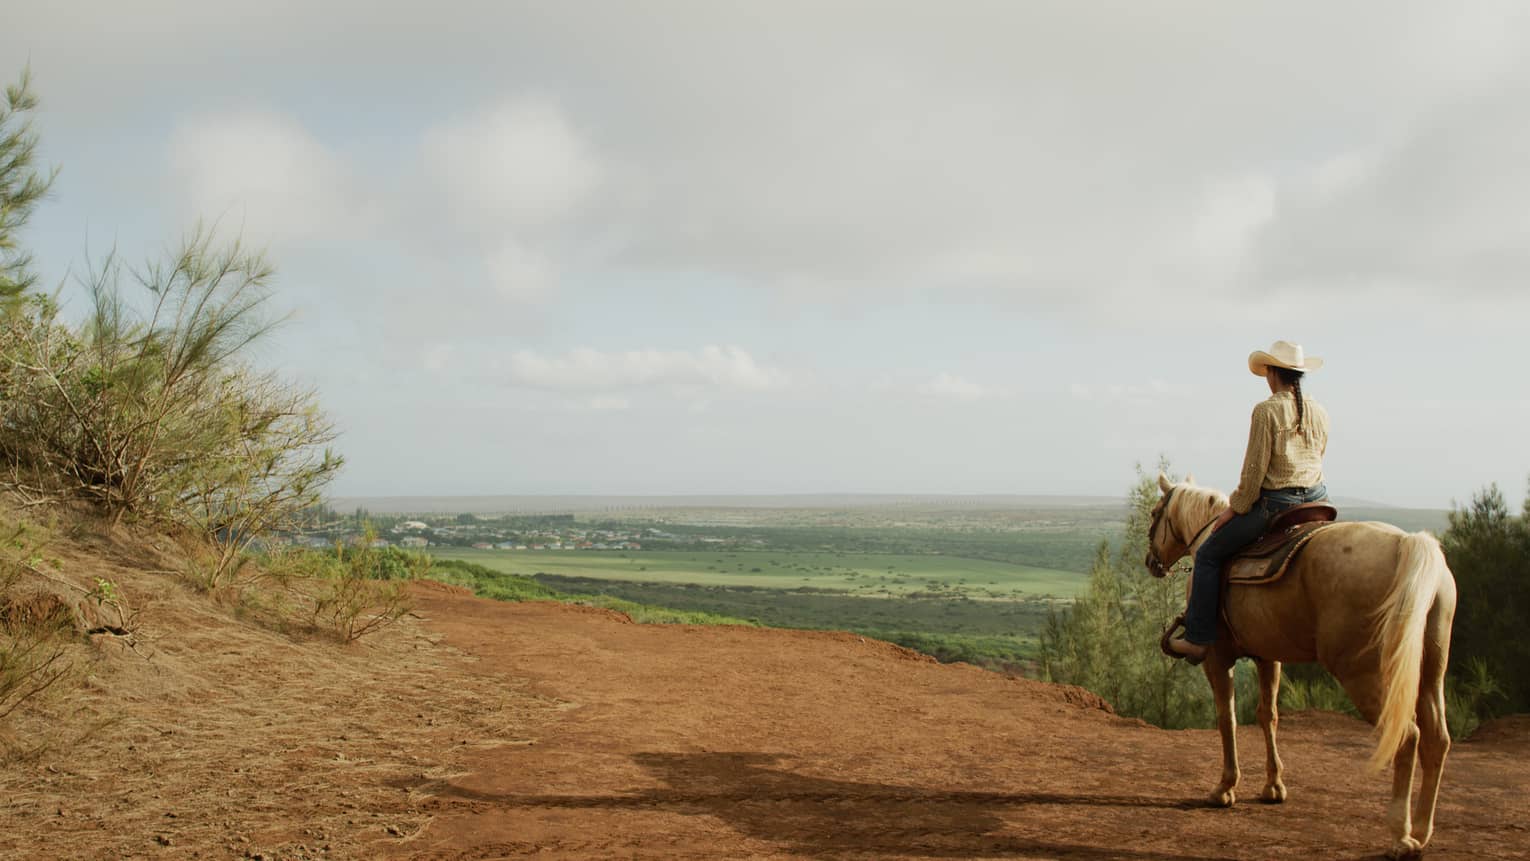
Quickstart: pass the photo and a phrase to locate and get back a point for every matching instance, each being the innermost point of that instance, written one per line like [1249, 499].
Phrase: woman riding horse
[1369, 602]
[1283, 467]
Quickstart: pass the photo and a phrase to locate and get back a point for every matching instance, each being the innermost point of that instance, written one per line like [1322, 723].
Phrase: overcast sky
[699, 247]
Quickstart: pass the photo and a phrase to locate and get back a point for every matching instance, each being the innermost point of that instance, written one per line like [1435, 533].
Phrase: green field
[864, 575]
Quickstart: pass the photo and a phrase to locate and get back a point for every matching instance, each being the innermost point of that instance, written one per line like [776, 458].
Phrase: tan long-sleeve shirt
[1277, 455]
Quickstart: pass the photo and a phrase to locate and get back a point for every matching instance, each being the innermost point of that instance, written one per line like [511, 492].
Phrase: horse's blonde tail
[1400, 639]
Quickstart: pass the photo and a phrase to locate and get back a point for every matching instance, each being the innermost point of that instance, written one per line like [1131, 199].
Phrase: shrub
[32, 655]
[353, 606]
[1107, 641]
[1472, 693]
[151, 413]
[1309, 686]
[489, 583]
[1488, 548]
[156, 417]
[146, 408]
[357, 589]
[36, 625]
[645, 614]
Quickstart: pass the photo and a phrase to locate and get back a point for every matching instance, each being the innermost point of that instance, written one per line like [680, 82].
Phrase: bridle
[1155, 566]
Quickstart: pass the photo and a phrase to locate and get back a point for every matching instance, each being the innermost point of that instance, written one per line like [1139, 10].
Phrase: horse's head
[1167, 541]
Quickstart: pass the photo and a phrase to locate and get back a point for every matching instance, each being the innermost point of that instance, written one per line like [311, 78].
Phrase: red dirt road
[674, 742]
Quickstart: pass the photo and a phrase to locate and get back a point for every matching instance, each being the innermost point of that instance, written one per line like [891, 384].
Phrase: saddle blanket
[1267, 559]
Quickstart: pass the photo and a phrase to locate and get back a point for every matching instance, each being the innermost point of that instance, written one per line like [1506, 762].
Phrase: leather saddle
[1267, 559]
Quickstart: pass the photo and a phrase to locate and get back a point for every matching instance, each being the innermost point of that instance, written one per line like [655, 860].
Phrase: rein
[1199, 534]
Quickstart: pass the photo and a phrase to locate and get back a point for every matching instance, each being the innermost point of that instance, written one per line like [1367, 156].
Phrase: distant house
[413, 541]
[632, 545]
[380, 542]
[483, 545]
[505, 545]
[413, 524]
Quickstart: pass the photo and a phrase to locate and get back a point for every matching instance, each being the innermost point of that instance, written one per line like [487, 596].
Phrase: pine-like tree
[22, 186]
[1108, 640]
[1489, 553]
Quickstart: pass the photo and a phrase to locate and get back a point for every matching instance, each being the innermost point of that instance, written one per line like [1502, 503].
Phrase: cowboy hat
[1282, 354]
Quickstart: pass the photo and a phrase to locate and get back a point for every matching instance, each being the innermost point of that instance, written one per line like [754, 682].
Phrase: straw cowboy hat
[1282, 354]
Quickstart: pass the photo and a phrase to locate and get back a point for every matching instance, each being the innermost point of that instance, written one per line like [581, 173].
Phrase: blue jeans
[1236, 534]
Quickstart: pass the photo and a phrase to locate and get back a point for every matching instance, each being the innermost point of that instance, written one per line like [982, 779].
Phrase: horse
[1371, 603]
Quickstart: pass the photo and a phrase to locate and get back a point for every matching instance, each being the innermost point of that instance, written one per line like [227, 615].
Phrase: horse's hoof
[1224, 798]
[1274, 793]
[1406, 847]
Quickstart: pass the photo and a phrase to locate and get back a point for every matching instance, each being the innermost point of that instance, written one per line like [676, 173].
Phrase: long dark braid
[1293, 379]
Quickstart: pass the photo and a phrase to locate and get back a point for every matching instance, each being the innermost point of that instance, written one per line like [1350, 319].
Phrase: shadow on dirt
[821, 817]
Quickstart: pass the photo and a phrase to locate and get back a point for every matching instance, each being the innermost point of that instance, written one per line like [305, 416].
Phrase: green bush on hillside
[350, 589]
[488, 583]
[147, 408]
[1488, 549]
[1107, 641]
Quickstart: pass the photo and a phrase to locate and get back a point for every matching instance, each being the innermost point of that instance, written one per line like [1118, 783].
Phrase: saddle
[1267, 559]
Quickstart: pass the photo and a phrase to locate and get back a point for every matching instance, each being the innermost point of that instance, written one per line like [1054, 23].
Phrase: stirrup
[1168, 634]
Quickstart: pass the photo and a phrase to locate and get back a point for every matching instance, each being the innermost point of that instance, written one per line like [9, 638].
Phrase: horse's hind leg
[1269, 717]
[1219, 671]
[1399, 818]
[1365, 692]
[1433, 743]
[1434, 735]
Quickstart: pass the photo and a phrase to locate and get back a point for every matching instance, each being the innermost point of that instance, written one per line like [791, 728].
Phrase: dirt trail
[747, 743]
[488, 730]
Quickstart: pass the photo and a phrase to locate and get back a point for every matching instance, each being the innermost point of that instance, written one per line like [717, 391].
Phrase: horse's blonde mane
[1196, 506]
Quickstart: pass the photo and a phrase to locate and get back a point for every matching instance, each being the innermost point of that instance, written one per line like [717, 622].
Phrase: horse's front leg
[1269, 717]
[1219, 671]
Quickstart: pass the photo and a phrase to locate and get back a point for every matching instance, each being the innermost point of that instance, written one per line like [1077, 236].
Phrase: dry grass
[216, 736]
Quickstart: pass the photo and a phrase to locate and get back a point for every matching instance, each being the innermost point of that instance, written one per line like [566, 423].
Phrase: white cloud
[956, 388]
[518, 164]
[1227, 220]
[947, 168]
[1439, 209]
[266, 173]
[724, 368]
[1153, 393]
[966, 190]
[437, 357]
[518, 273]
[607, 403]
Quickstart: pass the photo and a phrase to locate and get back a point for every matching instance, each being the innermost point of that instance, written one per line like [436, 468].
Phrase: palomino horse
[1372, 604]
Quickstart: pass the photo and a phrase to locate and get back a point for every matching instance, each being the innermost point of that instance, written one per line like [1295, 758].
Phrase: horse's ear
[1163, 483]
[1190, 479]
